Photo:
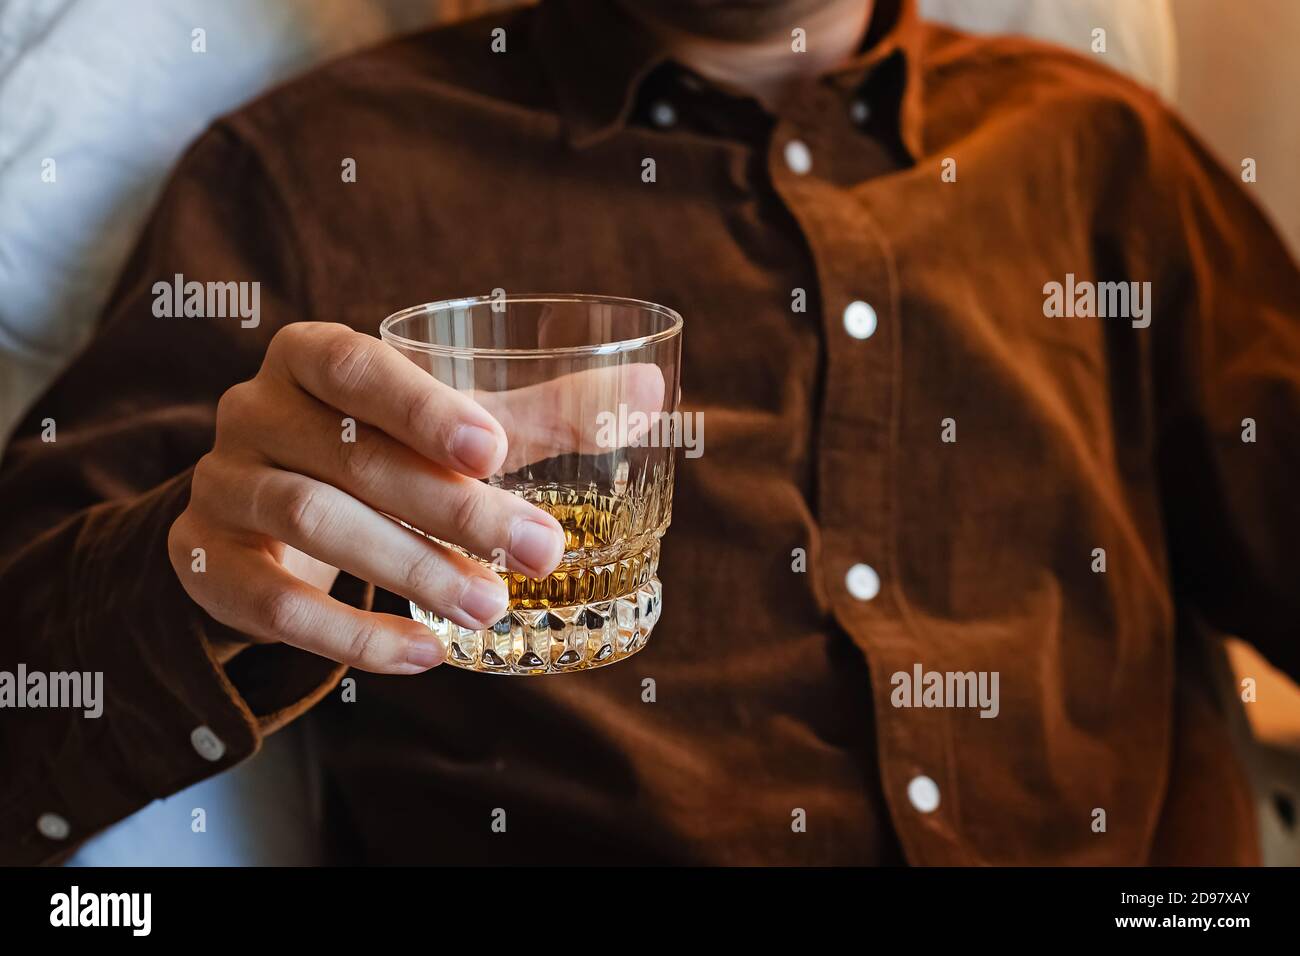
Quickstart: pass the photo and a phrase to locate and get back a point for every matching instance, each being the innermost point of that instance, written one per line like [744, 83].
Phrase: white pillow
[111, 91]
[1140, 37]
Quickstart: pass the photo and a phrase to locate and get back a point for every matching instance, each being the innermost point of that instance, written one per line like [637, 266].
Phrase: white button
[924, 794]
[797, 157]
[860, 320]
[663, 114]
[863, 582]
[53, 826]
[859, 111]
[208, 744]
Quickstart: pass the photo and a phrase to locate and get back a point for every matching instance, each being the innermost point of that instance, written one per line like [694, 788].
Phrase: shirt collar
[597, 56]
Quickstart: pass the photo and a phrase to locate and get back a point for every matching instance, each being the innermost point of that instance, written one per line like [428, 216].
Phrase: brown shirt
[978, 455]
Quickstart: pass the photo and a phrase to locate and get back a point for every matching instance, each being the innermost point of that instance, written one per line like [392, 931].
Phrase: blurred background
[111, 90]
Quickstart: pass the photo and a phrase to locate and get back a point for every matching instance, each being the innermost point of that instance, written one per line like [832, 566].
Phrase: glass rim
[604, 348]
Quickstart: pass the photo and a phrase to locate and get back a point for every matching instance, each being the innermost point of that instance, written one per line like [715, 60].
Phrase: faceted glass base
[555, 640]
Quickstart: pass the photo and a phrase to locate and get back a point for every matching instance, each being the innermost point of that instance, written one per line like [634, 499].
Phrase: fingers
[245, 588]
[375, 383]
[392, 479]
[475, 433]
[572, 413]
[334, 528]
[282, 488]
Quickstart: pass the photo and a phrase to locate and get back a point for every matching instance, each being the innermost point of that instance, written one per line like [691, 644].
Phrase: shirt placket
[859, 298]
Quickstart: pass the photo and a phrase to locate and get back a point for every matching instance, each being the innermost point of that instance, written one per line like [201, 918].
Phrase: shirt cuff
[172, 713]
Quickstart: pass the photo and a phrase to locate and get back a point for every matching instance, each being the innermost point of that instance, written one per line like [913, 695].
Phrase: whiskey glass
[586, 388]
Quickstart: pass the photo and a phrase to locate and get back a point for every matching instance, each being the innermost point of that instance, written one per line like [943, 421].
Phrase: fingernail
[475, 448]
[424, 654]
[538, 547]
[485, 601]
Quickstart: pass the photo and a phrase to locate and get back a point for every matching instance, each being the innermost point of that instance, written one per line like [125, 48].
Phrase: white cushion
[112, 92]
[1140, 36]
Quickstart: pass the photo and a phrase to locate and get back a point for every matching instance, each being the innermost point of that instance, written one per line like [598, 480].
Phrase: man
[1000, 375]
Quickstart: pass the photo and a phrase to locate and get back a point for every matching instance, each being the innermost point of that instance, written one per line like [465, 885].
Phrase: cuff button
[53, 826]
[207, 744]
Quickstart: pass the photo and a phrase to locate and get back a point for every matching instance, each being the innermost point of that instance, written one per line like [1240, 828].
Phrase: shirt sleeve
[1227, 372]
[89, 487]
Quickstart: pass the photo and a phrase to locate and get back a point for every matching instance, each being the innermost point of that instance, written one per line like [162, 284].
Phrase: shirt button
[53, 826]
[859, 111]
[923, 794]
[860, 320]
[207, 744]
[862, 581]
[662, 114]
[798, 157]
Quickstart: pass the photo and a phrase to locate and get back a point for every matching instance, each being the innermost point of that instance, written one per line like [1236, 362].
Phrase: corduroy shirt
[1000, 374]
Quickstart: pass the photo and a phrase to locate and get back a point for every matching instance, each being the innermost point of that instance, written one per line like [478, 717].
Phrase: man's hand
[281, 503]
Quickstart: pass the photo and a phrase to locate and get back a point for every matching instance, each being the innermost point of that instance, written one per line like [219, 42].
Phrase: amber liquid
[603, 558]
[598, 606]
